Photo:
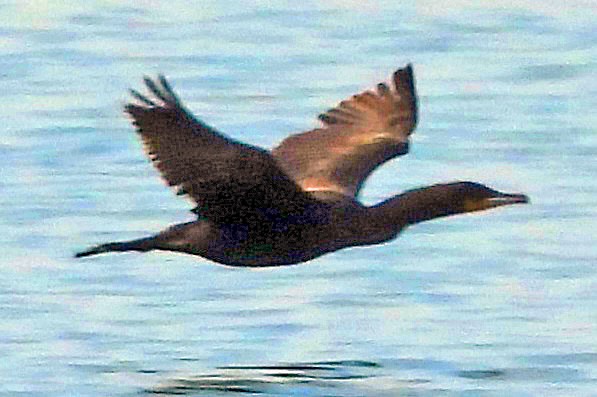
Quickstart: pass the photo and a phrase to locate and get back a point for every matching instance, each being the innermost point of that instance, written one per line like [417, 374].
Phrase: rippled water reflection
[496, 304]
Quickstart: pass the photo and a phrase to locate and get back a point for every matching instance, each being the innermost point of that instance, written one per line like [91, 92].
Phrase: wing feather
[231, 182]
[357, 136]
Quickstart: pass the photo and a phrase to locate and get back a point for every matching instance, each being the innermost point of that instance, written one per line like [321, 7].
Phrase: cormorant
[299, 201]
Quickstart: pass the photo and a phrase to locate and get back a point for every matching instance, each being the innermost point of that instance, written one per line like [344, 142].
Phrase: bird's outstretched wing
[231, 182]
[357, 136]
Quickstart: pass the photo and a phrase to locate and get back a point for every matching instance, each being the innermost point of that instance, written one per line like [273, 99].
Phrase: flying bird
[258, 208]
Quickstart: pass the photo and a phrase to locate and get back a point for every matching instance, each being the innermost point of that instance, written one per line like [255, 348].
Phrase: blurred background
[490, 304]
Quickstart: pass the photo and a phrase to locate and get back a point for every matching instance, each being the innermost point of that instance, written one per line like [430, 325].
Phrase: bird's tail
[142, 244]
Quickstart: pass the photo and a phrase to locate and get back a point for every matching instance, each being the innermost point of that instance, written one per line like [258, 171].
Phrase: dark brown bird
[299, 201]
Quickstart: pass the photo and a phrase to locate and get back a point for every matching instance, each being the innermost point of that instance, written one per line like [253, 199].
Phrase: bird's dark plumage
[357, 136]
[257, 208]
[227, 179]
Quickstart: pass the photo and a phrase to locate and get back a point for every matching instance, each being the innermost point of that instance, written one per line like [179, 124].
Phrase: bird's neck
[415, 206]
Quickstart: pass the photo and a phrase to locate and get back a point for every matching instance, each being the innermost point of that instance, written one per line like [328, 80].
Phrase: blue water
[494, 304]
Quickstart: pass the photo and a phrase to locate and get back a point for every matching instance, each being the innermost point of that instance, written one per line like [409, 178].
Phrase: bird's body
[299, 201]
[325, 227]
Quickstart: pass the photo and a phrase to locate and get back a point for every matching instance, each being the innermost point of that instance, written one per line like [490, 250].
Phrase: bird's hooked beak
[497, 199]
[501, 199]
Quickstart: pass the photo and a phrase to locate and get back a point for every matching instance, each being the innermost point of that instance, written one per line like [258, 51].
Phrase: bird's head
[472, 196]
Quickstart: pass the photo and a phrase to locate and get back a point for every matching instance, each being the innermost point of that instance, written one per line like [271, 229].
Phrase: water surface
[499, 303]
